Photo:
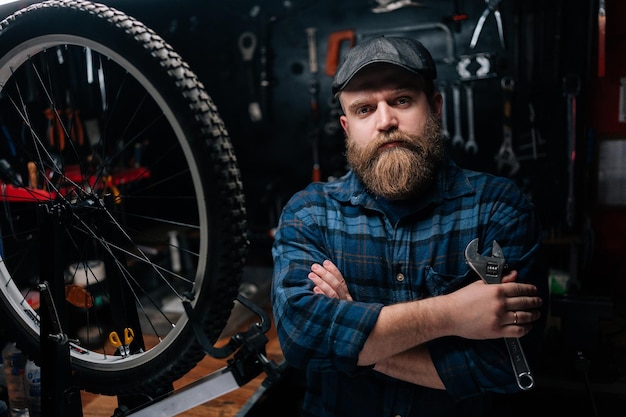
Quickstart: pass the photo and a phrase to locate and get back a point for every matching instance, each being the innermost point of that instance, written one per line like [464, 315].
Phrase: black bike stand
[248, 361]
[59, 398]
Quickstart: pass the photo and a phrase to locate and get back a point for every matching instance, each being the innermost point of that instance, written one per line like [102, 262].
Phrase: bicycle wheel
[109, 131]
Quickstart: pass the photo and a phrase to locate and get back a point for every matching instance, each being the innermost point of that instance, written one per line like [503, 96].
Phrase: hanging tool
[385, 6]
[333, 125]
[123, 348]
[457, 139]
[571, 88]
[107, 180]
[490, 269]
[470, 146]
[506, 158]
[54, 129]
[442, 86]
[247, 46]
[33, 176]
[535, 136]
[601, 38]
[493, 6]
[333, 51]
[458, 16]
[314, 91]
[75, 126]
[265, 67]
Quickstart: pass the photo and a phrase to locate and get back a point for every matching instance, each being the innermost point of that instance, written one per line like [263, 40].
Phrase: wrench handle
[457, 139]
[523, 375]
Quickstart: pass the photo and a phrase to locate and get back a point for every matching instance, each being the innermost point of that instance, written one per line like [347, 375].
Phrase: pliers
[492, 7]
[490, 269]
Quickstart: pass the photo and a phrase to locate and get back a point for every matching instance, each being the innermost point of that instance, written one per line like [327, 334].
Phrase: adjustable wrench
[470, 146]
[506, 157]
[571, 87]
[444, 113]
[247, 46]
[490, 269]
[457, 139]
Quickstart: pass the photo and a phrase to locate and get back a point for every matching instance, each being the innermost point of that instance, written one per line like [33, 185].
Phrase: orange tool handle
[115, 192]
[316, 175]
[60, 132]
[77, 133]
[78, 125]
[334, 43]
[33, 178]
[54, 125]
[50, 128]
[128, 337]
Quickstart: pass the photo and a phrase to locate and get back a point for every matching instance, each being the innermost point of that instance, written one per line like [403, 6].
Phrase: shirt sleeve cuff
[449, 357]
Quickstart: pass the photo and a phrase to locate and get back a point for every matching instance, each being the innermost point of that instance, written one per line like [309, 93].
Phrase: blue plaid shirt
[392, 252]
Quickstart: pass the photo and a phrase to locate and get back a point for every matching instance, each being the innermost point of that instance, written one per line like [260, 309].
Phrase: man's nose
[386, 118]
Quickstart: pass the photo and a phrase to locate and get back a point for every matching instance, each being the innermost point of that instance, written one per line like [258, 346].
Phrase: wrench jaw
[488, 268]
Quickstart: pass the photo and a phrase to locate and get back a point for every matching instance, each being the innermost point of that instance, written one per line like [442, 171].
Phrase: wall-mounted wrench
[457, 139]
[442, 86]
[490, 270]
[571, 88]
[314, 87]
[470, 146]
[506, 157]
[247, 46]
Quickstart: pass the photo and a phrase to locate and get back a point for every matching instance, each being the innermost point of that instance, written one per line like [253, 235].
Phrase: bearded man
[371, 294]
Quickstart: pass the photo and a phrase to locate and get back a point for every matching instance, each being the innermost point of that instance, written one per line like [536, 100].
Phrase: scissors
[492, 7]
[115, 340]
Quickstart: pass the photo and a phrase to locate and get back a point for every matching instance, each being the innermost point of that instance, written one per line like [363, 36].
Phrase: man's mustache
[399, 138]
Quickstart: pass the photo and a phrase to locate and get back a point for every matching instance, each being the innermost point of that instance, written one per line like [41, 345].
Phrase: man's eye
[362, 110]
[402, 100]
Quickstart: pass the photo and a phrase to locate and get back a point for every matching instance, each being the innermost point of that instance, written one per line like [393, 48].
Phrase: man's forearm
[414, 365]
[403, 326]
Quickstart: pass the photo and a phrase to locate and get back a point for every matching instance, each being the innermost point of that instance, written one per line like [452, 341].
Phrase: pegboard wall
[254, 58]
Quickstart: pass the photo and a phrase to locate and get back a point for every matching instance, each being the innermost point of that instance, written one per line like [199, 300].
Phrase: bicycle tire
[122, 188]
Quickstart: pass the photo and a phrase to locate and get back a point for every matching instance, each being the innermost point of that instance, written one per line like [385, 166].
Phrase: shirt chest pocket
[438, 283]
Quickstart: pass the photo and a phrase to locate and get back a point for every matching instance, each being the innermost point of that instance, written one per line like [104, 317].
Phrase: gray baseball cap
[407, 53]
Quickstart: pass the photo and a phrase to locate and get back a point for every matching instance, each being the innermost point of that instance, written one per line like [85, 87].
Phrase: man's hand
[329, 281]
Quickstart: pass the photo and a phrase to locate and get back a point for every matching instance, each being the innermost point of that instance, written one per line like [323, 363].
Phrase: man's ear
[343, 120]
[437, 104]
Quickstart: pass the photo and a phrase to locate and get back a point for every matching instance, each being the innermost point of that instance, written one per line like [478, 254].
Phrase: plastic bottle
[14, 362]
[32, 384]
[4, 409]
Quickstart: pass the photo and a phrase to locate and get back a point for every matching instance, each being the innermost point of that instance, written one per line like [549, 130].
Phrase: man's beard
[402, 170]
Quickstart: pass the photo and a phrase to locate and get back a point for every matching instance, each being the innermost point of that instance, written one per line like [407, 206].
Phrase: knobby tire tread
[222, 176]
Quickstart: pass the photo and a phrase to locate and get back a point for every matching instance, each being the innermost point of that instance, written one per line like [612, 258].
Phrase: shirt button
[400, 277]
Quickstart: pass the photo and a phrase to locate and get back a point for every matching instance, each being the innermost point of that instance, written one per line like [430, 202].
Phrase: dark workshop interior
[559, 68]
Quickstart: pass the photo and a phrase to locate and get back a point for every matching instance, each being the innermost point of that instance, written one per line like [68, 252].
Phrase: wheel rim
[89, 185]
